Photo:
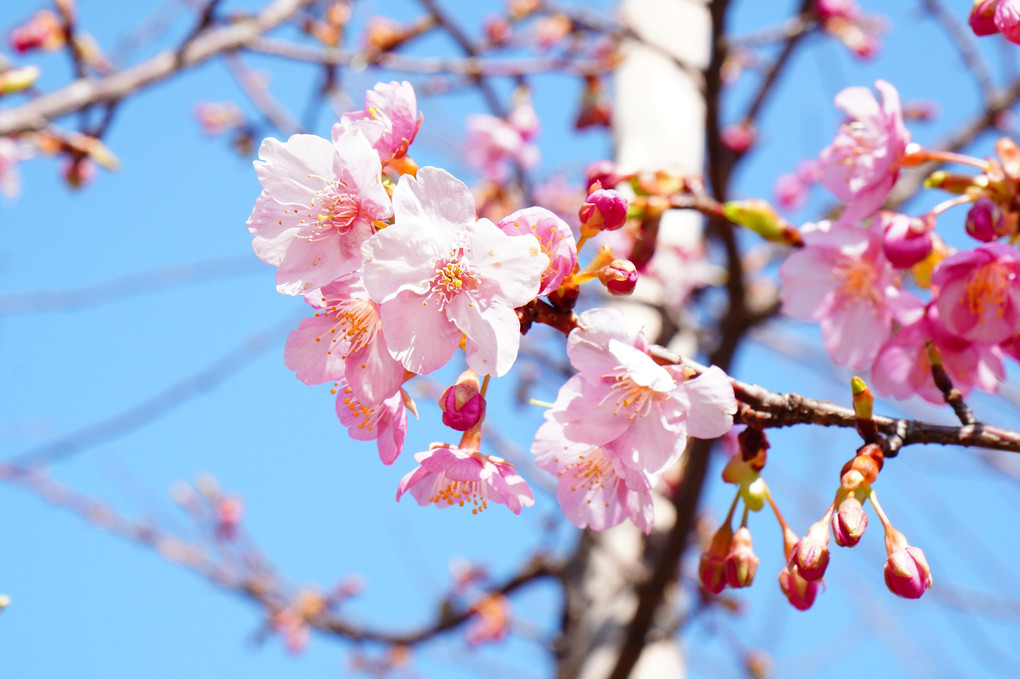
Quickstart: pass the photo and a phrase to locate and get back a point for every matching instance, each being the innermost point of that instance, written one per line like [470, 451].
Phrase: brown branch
[769, 409]
[37, 113]
[463, 66]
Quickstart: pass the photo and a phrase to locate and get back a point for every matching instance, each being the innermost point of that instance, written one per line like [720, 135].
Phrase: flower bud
[43, 31]
[811, 553]
[905, 240]
[863, 469]
[619, 276]
[836, 9]
[799, 592]
[849, 522]
[906, 572]
[604, 172]
[738, 138]
[462, 404]
[17, 79]
[712, 567]
[757, 215]
[985, 220]
[603, 210]
[741, 562]
[981, 18]
[1007, 20]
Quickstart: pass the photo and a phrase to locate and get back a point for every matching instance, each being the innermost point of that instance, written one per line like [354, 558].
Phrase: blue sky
[86, 603]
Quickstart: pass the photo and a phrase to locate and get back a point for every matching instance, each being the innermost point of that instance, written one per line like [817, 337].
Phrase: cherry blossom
[979, 293]
[902, 367]
[494, 145]
[344, 339]
[594, 487]
[449, 475]
[385, 422]
[625, 402]
[390, 120]
[553, 235]
[863, 161]
[841, 279]
[317, 207]
[437, 274]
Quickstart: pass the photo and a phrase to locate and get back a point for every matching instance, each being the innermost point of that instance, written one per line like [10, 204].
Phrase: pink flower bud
[619, 276]
[712, 567]
[811, 553]
[1007, 19]
[800, 593]
[229, 512]
[837, 9]
[907, 573]
[741, 562]
[603, 210]
[462, 404]
[790, 192]
[738, 138]
[602, 171]
[985, 220]
[981, 18]
[905, 240]
[849, 522]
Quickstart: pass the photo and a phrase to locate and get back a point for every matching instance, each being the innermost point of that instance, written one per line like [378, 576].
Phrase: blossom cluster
[889, 294]
[402, 275]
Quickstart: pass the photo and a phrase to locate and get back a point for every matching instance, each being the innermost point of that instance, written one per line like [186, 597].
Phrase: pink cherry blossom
[902, 368]
[553, 235]
[905, 240]
[317, 207]
[841, 279]
[594, 487]
[437, 274]
[495, 145]
[863, 161]
[449, 475]
[390, 120]
[385, 422]
[979, 293]
[625, 402]
[344, 339]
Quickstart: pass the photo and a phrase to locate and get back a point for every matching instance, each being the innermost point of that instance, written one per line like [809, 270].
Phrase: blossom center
[859, 280]
[337, 208]
[631, 398]
[356, 322]
[589, 473]
[450, 492]
[451, 277]
[985, 290]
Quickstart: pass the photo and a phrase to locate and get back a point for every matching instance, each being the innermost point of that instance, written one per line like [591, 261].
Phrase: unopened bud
[981, 18]
[757, 215]
[906, 570]
[849, 522]
[755, 494]
[619, 276]
[712, 567]
[905, 240]
[985, 220]
[739, 138]
[741, 562]
[18, 79]
[811, 553]
[799, 592]
[603, 210]
[462, 404]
